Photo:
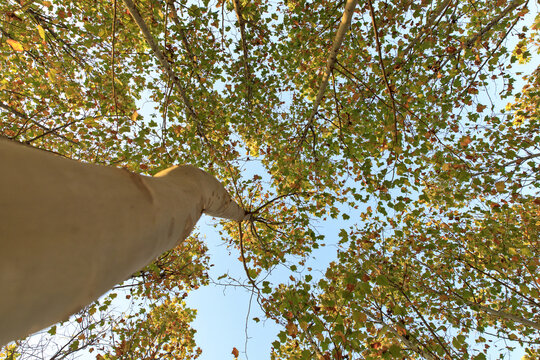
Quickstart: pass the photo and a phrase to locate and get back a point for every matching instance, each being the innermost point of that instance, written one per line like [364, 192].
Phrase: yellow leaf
[41, 32]
[134, 116]
[52, 74]
[499, 185]
[47, 4]
[15, 45]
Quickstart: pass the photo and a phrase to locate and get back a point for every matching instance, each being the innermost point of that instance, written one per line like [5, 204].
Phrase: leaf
[292, 329]
[465, 141]
[17, 46]
[359, 317]
[235, 352]
[41, 32]
[52, 330]
[500, 186]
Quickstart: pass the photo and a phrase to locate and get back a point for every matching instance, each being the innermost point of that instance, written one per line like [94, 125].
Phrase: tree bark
[70, 231]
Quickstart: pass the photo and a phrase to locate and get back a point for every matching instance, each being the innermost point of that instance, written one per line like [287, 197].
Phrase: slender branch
[112, 59]
[434, 16]
[502, 314]
[243, 257]
[271, 201]
[411, 345]
[247, 70]
[381, 63]
[164, 63]
[424, 321]
[183, 36]
[27, 118]
[331, 61]
[507, 286]
[514, 4]
[51, 131]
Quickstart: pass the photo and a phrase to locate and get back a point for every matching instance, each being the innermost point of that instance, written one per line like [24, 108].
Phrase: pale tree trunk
[70, 231]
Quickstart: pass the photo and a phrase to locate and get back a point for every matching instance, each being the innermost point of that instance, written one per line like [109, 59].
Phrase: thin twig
[427, 27]
[51, 131]
[271, 201]
[183, 37]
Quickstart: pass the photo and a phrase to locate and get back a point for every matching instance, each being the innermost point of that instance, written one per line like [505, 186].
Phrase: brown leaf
[235, 352]
[465, 141]
[292, 329]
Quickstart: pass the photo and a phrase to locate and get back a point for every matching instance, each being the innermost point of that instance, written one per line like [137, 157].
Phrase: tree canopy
[413, 122]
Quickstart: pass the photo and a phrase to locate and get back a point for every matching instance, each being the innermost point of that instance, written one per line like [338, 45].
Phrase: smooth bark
[70, 231]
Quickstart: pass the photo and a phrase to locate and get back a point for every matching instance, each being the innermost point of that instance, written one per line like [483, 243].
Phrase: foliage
[425, 148]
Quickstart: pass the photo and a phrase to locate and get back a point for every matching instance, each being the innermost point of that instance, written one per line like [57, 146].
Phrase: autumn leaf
[17, 46]
[235, 352]
[465, 141]
[292, 329]
[41, 32]
[500, 186]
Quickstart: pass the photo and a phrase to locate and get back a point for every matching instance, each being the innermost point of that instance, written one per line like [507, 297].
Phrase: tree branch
[514, 4]
[381, 63]
[28, 119]
[436, 13]
[502, 314]
[113, 54]
[330, 63]
[164, 63]
[414, 347]
[247, 70]
[183, 36]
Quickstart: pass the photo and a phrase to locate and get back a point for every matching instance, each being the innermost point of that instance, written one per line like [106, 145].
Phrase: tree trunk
[70, 231]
